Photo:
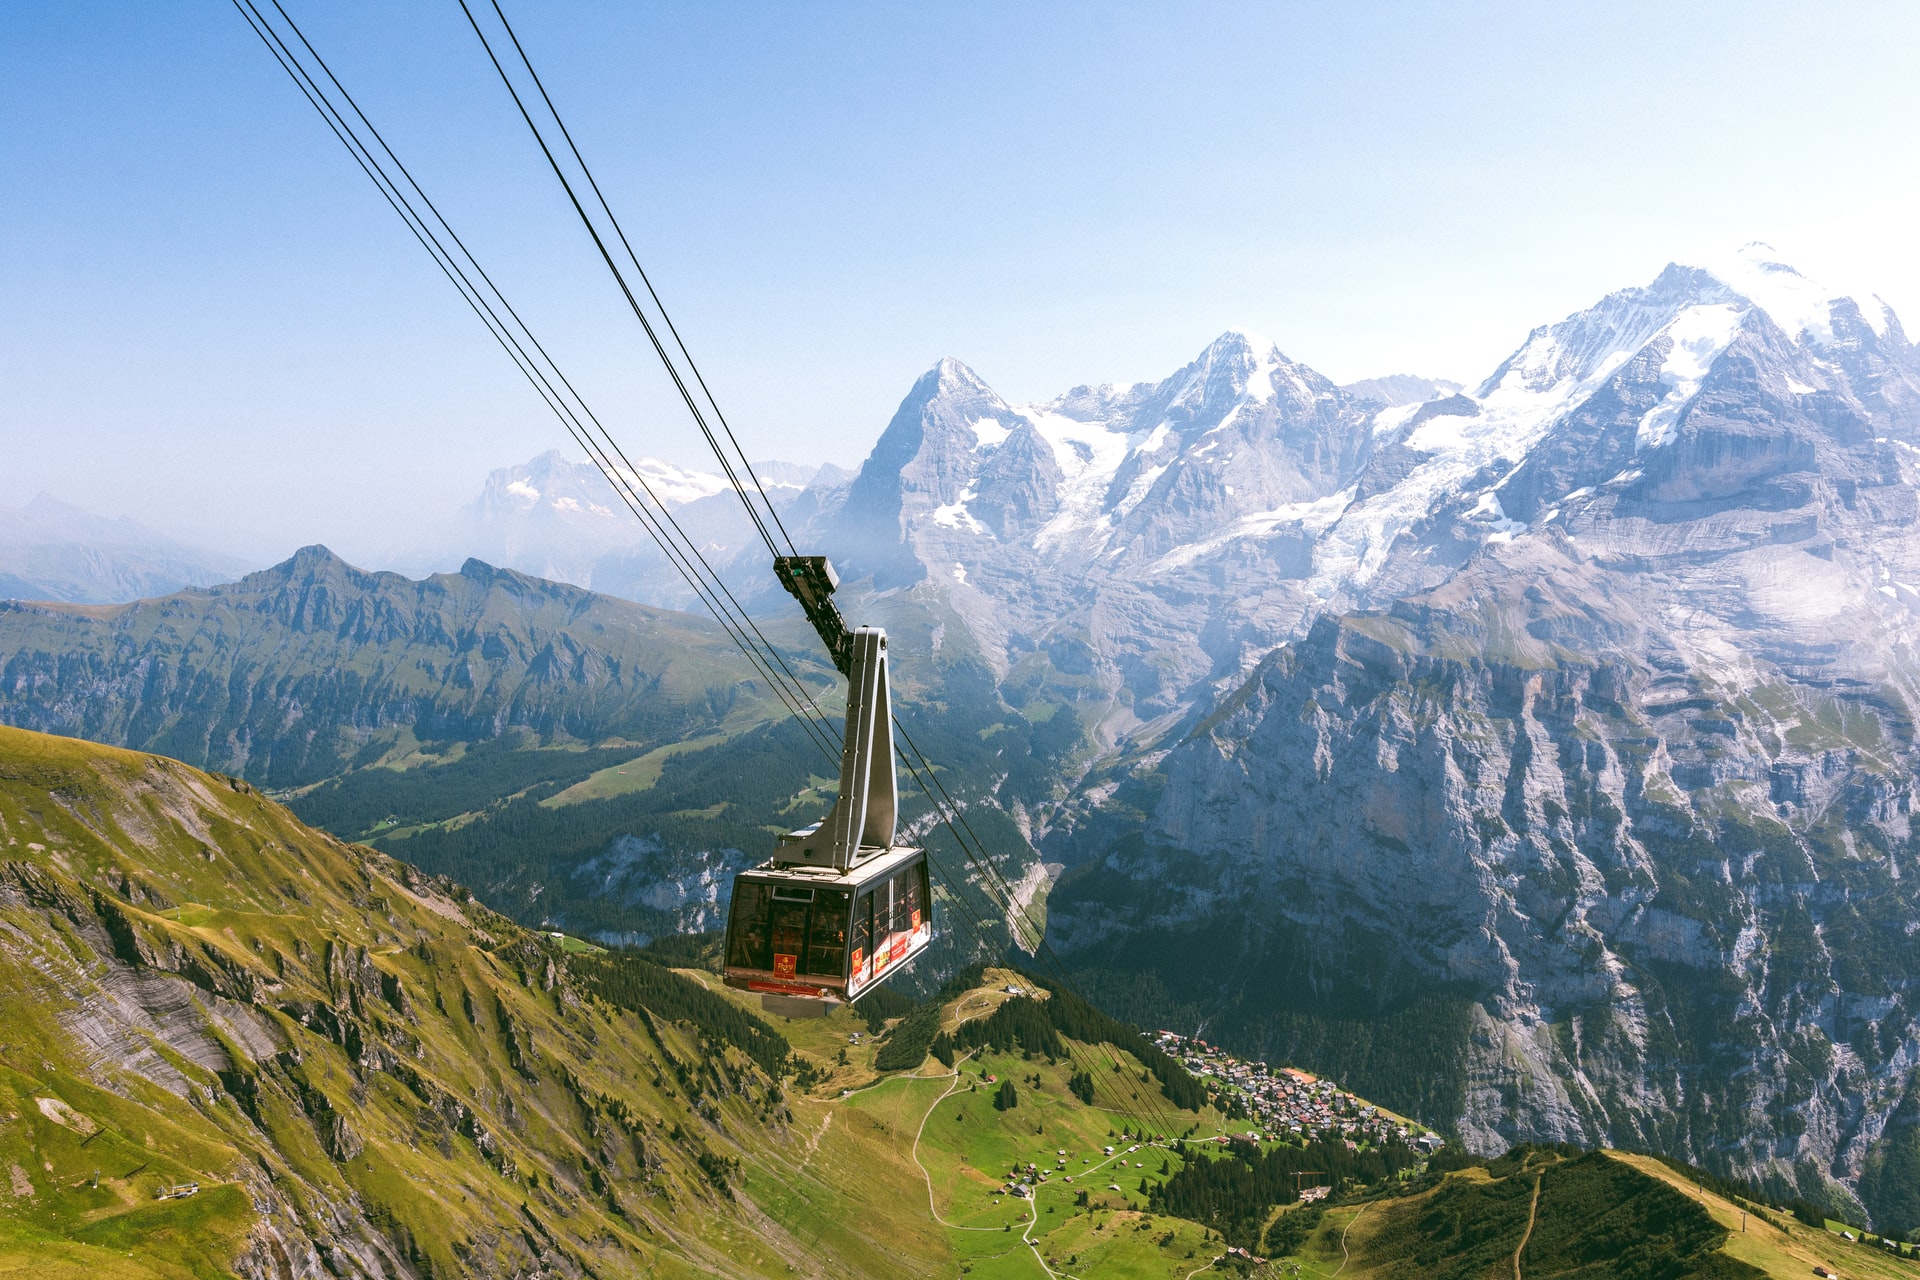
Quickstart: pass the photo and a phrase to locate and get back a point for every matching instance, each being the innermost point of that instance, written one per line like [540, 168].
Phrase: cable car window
[789, 930]
[862, 932]
[748, 928]
[882, 926]
[907, 908]
[827, 936]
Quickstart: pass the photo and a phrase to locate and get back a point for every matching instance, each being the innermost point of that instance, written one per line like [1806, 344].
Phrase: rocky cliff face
[1609, 813]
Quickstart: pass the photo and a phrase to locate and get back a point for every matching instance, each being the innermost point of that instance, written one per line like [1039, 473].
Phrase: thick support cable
[706, 584]
[745, 462]
[626, 291]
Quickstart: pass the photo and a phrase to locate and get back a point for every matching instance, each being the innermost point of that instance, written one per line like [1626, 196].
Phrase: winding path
[1533, 1211]
[1346, 1257]
[1033, 1204]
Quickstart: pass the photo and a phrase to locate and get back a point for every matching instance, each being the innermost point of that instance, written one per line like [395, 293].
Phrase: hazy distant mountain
[560, 519]
[52, 551]
[1400, 388]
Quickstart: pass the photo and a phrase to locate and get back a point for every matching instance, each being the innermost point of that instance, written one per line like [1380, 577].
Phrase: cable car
[839, 907]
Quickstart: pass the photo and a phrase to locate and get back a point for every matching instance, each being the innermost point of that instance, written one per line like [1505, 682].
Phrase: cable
[644, 278]
[1040, 950]
[626, 290]
[740, 619]
[950, 813]
[707, 586]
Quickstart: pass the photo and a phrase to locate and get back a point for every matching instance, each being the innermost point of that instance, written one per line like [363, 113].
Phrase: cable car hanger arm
[811, 580]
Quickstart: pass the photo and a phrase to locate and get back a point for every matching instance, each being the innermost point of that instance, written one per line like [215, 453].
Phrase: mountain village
[1288, 1104]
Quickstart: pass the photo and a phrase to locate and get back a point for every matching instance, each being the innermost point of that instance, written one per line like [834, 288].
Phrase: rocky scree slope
[365, 1072]
[1607, 821]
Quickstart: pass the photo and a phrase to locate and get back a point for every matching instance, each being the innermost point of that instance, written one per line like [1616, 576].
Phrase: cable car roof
[879, 866]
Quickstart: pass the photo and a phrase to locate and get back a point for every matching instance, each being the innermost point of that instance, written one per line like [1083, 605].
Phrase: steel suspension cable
[704, 588]
[745, 462]
[626, 290]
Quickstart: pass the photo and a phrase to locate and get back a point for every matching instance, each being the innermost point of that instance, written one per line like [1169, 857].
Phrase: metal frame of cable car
[839, 906]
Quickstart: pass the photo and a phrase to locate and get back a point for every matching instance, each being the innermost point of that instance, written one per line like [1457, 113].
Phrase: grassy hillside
[365, 1071]
[1598, 1216]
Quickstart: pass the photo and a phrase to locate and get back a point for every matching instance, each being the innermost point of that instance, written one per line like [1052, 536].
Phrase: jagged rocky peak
[950, 415]
[1237, 370]
[309, 566]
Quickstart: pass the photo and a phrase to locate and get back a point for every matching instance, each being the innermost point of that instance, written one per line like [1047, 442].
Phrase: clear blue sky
[208, 320]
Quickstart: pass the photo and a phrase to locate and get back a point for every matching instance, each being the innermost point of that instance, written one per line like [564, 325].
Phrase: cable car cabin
[816, 931]
[839, 907]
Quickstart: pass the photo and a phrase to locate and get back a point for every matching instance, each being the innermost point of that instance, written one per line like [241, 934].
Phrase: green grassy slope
[360, 1066]
[1601, 1216]
[366, 1071]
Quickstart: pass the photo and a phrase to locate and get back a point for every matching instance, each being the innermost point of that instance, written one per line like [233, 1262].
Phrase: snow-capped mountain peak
[1803, 308]
[676, 486]
[1586, 347]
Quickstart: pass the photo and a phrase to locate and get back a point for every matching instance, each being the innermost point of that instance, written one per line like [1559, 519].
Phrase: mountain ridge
[468, 655]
